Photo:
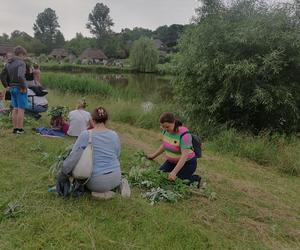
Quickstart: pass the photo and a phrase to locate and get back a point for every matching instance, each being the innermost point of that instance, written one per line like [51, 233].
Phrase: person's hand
[150, 157]
[172, 176]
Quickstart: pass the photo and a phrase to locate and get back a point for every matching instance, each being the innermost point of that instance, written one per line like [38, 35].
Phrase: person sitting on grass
[80, 119]
[36, 104]
[58, 123]
[180, 157]
[106, 174]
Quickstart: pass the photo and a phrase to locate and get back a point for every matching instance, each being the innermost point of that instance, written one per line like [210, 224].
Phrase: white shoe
[103, 196]
[125, 188]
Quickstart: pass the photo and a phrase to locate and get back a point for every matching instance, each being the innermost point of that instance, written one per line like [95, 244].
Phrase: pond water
[148, 87]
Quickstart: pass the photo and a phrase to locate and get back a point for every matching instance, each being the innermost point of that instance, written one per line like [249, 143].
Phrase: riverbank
[252, 207]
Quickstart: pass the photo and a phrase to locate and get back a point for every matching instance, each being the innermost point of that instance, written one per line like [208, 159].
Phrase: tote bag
[84, 167]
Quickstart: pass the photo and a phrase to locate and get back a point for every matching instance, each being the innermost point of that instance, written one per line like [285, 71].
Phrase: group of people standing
[177, 143]
[17, 78]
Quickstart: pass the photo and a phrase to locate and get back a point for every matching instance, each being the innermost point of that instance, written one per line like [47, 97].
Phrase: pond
[149, 87]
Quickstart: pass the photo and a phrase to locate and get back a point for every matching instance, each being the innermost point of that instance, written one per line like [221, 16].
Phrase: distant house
[92, 55]
[160, 45]
[59, 54]
[6, 50]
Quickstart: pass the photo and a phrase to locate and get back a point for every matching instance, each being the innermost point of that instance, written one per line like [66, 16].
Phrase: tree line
[48, 36]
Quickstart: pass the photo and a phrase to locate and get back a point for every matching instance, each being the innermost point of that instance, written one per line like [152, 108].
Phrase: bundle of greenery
[58, 111]
[146, 175]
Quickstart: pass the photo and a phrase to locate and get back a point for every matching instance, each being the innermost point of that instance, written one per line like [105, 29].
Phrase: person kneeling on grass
[177, 144]
[106, 174]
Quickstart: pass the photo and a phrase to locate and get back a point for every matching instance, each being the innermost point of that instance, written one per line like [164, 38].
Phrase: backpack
[197, 143]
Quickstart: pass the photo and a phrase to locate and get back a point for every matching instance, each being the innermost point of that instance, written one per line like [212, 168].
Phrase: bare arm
[158, 152]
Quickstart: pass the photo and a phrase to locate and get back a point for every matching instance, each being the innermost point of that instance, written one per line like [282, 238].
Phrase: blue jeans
[186, 172]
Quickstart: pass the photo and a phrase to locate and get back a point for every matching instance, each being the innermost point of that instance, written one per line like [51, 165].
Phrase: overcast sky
[73, 14]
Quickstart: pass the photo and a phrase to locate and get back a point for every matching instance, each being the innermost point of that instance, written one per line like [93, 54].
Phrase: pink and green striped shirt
[173, 145]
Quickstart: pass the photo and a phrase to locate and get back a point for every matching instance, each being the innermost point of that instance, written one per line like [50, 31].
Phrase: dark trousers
[186, 172]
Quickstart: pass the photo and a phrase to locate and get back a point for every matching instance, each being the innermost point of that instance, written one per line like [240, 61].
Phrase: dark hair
[170, 118]
[100, 115]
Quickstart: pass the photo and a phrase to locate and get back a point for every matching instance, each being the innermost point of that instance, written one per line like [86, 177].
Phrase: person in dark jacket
[13, 79]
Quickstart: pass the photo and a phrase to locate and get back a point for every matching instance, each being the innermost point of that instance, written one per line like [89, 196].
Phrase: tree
[208, 8]
[169, 34]
[241, 67]
[59, 40]
[46, 29]
[99, 21]
[78, 44]
[128, 36]
[4, 38]
[32, 45]
[143, 55]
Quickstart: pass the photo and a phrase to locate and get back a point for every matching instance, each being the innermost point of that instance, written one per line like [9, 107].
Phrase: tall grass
[85, 85]
[277, 151]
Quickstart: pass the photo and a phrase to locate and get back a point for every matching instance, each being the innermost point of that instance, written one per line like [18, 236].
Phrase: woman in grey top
[106, 174]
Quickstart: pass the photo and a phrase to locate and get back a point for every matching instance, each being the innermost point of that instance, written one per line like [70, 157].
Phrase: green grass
[275, 151]
[255, 208]
[120, 110]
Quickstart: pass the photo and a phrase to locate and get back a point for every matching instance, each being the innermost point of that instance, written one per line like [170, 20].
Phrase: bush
[240, 65]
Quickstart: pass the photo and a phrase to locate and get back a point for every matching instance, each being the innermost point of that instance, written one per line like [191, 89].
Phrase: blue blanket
[50, 132]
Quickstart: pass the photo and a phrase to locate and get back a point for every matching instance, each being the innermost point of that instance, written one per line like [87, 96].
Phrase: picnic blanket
[49, 132]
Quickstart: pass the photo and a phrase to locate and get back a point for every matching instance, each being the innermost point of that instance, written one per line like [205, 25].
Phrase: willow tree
[239, 65]
[143, 55]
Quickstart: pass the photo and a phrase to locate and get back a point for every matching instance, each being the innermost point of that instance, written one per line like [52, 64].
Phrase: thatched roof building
[6, 49]
[160, 45]
[59, 53]
[93, 54]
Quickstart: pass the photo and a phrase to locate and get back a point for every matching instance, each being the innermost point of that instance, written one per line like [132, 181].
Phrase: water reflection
[148, 87]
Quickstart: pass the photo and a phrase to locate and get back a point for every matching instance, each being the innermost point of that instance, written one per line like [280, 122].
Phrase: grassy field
[255, 207]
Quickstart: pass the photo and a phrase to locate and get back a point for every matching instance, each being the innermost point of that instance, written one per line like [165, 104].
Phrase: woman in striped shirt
[177, 145]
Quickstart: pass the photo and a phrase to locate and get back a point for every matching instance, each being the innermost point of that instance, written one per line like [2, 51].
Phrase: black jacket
[13, 74]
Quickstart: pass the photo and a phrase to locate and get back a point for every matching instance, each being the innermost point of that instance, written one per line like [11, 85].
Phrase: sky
[73, 14]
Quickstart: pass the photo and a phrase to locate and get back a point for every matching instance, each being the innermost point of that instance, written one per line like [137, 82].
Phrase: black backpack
[197, 143]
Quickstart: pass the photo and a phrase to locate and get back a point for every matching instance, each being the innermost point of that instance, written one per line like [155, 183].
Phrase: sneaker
[15, 130]
[125, 188]
[195, 179]
[20, 131]
[103, 196]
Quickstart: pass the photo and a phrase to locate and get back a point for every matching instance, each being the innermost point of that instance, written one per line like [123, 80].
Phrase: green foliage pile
[143, 55]
[58, 163]
[239, 65]
[146, 175]
[58, 111]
